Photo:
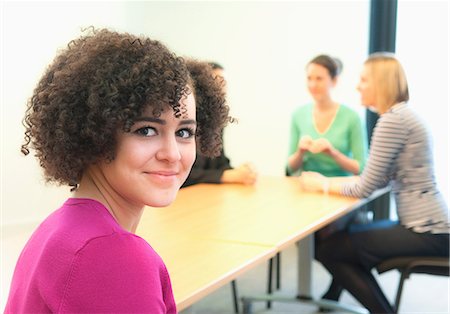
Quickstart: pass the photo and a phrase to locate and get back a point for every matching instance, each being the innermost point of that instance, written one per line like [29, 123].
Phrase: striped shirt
[401, 155]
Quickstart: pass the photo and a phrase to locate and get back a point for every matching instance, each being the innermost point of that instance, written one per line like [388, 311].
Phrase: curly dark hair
[211, 110]
[98, 85]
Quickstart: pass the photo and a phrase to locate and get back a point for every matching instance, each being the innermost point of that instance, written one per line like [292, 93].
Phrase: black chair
[358, 216]
[410, 265]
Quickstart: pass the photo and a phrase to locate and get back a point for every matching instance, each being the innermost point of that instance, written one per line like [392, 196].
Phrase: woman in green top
[326, 136]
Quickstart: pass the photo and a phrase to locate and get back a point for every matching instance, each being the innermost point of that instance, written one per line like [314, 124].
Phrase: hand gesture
[305, 143]
[321, 145]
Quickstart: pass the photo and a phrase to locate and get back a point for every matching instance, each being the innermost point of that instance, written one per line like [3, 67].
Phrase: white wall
[31, 35]
[423, 47]
[264, 47]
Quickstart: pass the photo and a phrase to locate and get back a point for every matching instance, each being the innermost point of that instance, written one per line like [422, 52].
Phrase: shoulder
[107, 269]
[302, 113]
[303, 109]
[392, 124]
[76, 222]
[394, 118]
[83, 233]
[119, 249]
[68, 229]
[348, 118]
[348, 112]
[404, 112]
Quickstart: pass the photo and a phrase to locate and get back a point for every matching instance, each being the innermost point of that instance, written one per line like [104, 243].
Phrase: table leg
[305, 251]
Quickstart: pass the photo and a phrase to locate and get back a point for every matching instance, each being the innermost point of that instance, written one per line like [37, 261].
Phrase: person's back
[412, 169]
[80, 259]
[414, 163]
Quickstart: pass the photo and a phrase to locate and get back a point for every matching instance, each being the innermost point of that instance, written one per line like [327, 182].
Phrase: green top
[345, 133]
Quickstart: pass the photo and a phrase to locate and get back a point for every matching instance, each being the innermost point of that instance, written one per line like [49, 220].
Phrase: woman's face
[154, 159]
[366, 89]
[319, 81]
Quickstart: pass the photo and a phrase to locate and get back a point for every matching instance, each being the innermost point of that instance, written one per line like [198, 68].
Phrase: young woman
[400, 154]
[114, 116]
[326, 136]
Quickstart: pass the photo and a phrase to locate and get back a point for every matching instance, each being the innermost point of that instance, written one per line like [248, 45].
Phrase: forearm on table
[345, 162]
[334, 185]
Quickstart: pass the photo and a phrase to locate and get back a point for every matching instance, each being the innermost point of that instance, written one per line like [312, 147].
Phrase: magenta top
[81, 260]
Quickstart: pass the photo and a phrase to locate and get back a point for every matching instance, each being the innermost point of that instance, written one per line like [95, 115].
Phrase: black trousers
[350, 255]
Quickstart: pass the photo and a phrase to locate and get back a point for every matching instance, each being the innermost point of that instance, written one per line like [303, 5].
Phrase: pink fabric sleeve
[119, 273]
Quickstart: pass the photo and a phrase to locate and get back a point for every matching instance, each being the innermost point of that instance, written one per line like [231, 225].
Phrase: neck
[325, 104]
[94, 185]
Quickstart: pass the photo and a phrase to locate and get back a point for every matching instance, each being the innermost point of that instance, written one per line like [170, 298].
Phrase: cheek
[188, 154]
[135, 154]
[363, 91]
[369, 96]
[323, 86]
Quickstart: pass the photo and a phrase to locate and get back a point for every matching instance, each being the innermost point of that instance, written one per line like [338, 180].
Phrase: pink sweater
[80, 260]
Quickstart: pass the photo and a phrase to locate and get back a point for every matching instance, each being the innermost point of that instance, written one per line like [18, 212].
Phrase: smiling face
[154, 159]
[319, 81]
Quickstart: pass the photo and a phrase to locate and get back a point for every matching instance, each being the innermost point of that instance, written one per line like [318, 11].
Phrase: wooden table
[198, 267]
[212, 233]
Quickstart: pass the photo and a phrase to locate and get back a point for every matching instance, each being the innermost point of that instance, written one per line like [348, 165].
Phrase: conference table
[213, 233]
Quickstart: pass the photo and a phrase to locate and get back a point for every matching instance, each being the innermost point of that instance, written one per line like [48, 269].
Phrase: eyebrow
[188, 121]
[163, 122]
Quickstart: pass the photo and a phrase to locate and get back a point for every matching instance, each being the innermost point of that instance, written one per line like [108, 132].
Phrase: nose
[169, 150]
[312, 84]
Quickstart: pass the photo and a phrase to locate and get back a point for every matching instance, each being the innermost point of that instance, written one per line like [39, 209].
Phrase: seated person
[97, 123]
[217, 169]
[326, 137]
[400, 155]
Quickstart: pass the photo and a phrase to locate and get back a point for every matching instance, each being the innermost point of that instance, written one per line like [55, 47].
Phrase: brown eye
[146, 131]
[185, 133]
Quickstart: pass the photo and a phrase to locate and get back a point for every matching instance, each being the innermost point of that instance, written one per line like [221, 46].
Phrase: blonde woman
[400, 155]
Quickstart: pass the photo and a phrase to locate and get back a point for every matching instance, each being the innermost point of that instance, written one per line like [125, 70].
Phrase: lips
[163, 178]
[163, 173]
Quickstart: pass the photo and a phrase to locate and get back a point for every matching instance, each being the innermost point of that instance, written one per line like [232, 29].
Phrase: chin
[163, 199]
[161, 203]
[373, 109]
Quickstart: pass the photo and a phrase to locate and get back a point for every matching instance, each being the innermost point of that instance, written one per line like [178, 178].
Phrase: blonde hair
[389, 80]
